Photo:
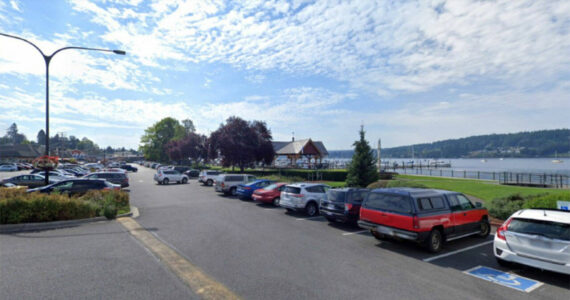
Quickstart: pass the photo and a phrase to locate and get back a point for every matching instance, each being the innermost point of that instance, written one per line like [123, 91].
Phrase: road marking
[510, 280]
[140, 180]
[310, 218]
[456, 251]
[356, 232]
[200, 283]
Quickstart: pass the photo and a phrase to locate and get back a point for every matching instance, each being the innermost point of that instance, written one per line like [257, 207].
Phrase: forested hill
[543, 143]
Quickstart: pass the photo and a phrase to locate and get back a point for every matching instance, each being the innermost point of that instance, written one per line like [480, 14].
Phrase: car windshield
[271, 187]
[388, 202]
[553, 230]
[292, 190]
[336, 196]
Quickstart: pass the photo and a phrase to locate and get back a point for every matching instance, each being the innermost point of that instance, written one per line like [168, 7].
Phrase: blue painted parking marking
[505, 279]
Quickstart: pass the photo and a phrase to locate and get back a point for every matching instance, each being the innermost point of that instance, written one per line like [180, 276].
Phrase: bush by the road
[327, 175]
[395, 183]
[546, 201]
[17, 206]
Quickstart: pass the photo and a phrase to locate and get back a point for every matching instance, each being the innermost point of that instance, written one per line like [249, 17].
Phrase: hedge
[17, 206]
[503, 208]
[327, 175]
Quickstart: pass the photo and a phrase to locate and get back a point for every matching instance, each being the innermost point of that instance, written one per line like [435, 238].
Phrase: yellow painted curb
[196, 279]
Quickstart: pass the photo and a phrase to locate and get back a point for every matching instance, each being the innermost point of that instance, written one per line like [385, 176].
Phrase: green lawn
[485, 190]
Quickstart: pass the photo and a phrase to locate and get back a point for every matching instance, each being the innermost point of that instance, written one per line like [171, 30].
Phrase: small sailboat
[556, 160]
[483, 160]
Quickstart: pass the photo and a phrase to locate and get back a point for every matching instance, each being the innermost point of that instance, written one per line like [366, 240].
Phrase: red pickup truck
[426, 216]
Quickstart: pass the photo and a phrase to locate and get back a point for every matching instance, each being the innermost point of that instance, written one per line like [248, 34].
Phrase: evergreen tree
[362, 170]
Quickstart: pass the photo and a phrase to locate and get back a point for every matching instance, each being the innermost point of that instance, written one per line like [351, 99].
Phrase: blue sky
[410, 71]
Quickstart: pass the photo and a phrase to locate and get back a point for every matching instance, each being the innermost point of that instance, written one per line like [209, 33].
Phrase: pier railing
[509, 178]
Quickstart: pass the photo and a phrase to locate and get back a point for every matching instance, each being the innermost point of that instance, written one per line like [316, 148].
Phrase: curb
[27, 227]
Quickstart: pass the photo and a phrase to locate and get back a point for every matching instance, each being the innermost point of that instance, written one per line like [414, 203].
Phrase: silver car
[538, 238]
[304, 197]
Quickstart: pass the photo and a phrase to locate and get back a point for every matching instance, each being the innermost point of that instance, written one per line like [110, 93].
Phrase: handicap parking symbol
[505, 279]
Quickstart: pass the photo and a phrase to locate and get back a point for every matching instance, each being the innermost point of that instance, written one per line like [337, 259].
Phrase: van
[228, 183]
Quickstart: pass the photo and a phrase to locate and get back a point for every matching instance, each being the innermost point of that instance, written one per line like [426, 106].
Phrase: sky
[409, 71]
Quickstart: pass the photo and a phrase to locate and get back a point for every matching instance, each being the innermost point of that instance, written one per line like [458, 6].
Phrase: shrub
[546, 201]
[395, 183]
[17, 206]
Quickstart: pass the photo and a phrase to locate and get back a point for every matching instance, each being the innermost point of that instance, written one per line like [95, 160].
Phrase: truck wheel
[233, 191]
[378, 235]
[485, 229]
[184, 180]
[312, 209]
[165, 181]
[434, 242]
[276, 201]
[209, 182]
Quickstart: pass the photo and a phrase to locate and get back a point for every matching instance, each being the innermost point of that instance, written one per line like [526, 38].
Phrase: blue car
[244, 191]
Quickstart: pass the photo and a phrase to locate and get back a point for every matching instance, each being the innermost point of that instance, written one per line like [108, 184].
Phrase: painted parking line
[356, 232]
[513, 281]
[310, 218]
[456, 251]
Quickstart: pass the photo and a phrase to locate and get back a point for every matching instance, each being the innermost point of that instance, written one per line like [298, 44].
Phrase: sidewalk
[96, 260]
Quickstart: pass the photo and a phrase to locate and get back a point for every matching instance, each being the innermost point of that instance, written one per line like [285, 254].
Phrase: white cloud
[15, 5]
[399, 46]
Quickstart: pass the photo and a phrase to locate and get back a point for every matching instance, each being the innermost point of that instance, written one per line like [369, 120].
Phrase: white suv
[304, 196]
[228, 183]
[538, 238]
[164, 176]
[207, 177]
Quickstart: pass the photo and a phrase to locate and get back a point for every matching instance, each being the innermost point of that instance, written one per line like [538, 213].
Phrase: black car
[181, 169]
[343, 205]
[76, 186]
[192, 173]
[113, 177]
[129, 168]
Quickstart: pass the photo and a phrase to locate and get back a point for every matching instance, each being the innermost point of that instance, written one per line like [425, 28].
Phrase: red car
[270, 193]
[429, 217]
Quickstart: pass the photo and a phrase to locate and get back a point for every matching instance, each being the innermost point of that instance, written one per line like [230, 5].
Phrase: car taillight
[416, 222]
[298, 195]
[347, 206]
[223, 184]
[501, 230]
[246, 188]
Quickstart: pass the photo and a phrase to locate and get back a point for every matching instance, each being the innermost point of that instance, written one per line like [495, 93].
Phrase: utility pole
[379, 161]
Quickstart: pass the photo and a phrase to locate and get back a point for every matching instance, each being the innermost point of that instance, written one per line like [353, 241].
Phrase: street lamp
[47, 59]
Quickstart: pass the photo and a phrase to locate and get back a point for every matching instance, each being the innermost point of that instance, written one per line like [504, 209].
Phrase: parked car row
[534, 237]
[71, 179]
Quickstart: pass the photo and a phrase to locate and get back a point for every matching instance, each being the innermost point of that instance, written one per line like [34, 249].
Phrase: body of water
[517, 165]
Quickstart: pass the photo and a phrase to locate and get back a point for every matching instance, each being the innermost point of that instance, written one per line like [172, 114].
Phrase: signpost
[563, 205]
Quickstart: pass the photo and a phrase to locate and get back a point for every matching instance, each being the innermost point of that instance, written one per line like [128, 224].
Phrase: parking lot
[259, 251]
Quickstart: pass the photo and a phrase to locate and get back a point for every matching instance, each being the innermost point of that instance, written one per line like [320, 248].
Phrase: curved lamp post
[47, 59]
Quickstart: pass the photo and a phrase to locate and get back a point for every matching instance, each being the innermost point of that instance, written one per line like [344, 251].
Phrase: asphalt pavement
[260, 252]
[93, 261]
[256, 251]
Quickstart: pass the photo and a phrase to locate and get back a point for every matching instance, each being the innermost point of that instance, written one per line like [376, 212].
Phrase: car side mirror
[478, 204]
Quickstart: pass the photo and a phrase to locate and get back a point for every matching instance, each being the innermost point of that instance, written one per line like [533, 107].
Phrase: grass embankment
[17, 206]
[482, 189]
